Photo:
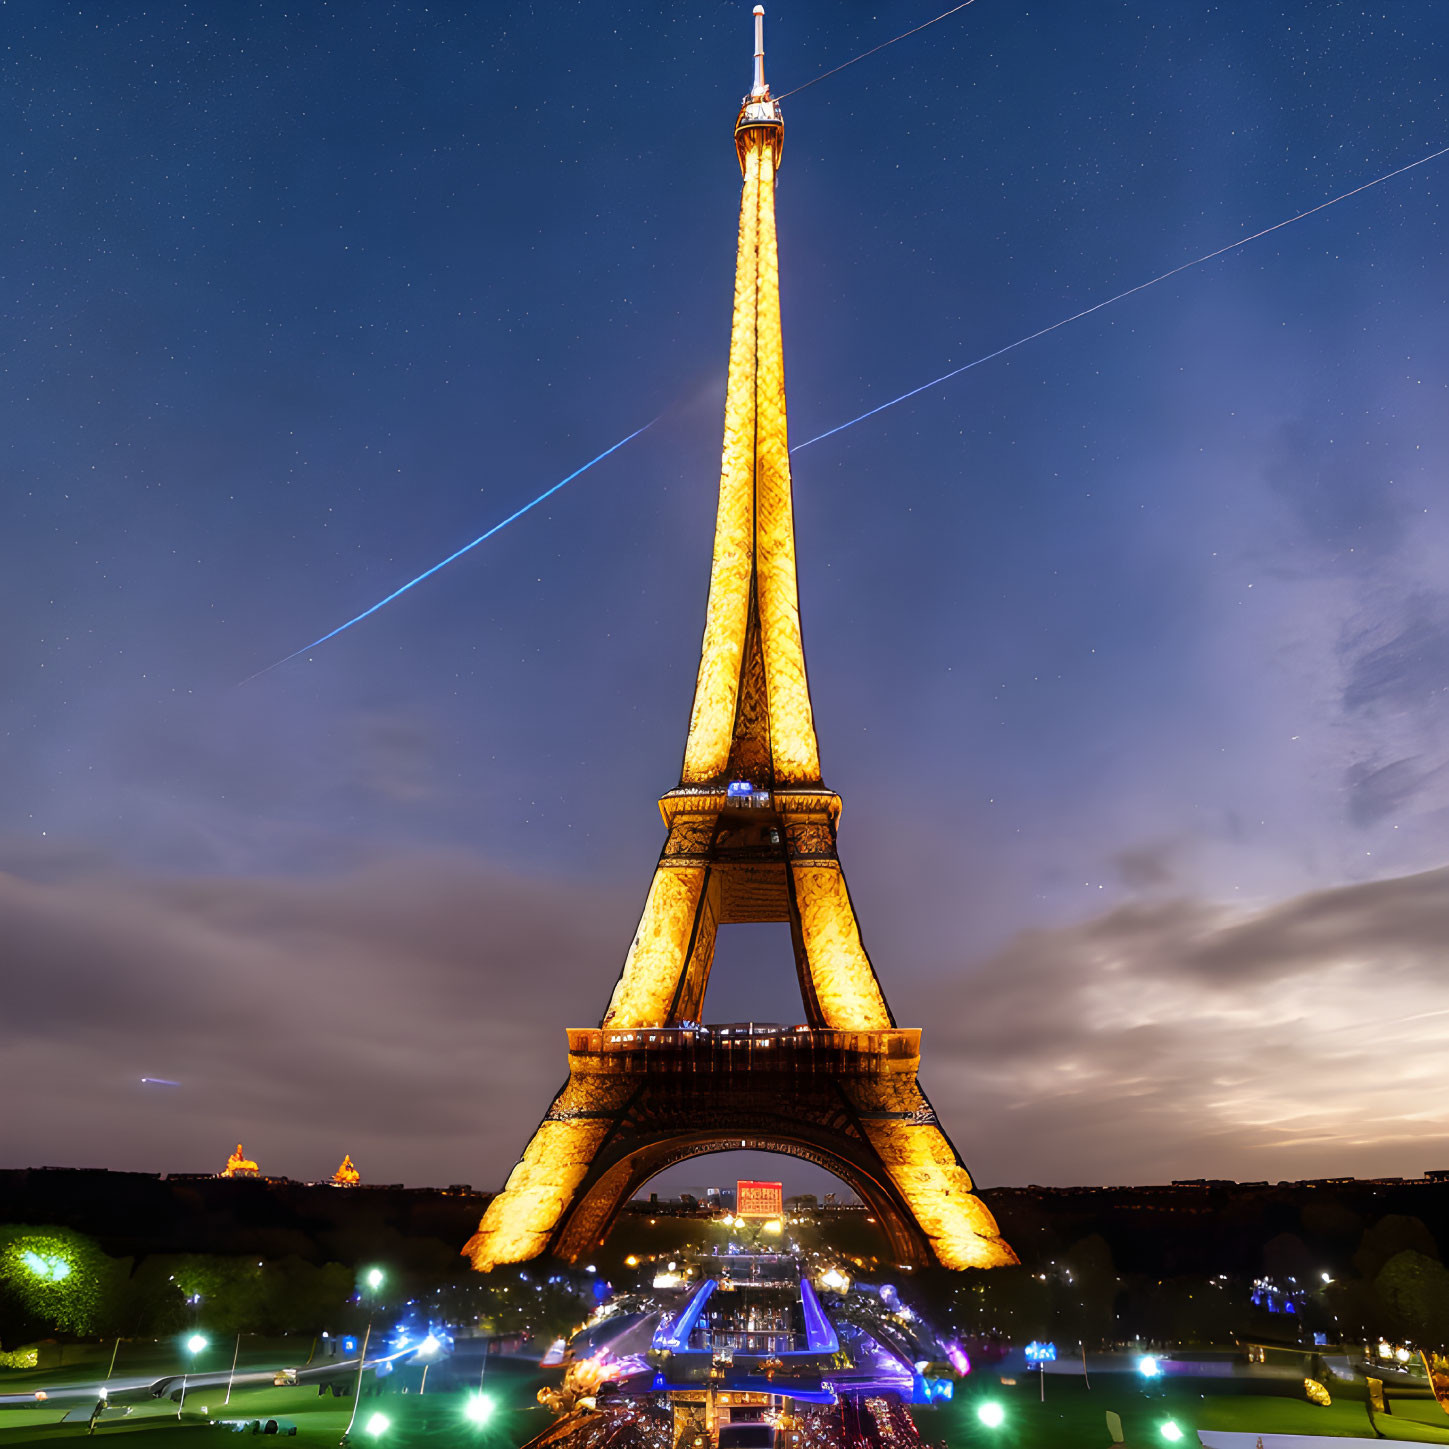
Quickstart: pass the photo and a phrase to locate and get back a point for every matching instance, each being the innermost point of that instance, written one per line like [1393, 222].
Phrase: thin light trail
[1130, 292]
[835, 70]
[457, 554]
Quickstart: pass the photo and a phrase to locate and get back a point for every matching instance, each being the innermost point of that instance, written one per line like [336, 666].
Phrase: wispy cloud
[1181, 1038]
[411, 1012]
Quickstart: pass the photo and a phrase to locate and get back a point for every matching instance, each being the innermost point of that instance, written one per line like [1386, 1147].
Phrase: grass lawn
[154, 1359]
[435, 1419]
[1074, 1417]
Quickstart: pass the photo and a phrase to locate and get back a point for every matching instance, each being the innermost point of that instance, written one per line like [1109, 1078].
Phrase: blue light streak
[457, 554]
[1130, 292]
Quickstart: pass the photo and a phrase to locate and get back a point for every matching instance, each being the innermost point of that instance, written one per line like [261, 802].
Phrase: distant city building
[239, 1165]
[759, 1199]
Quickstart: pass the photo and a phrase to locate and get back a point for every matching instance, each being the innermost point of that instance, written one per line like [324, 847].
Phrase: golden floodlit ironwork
[751, 837]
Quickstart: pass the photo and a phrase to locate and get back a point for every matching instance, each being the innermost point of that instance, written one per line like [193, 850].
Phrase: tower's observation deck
[751, 837]
[753, 1047]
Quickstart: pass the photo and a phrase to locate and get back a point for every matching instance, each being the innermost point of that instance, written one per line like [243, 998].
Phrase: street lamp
[479, 1409]
[372, 1280]
[194, 1346]
[991, 1414]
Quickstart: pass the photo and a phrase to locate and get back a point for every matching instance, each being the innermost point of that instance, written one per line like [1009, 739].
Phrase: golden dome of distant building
[240, 1165]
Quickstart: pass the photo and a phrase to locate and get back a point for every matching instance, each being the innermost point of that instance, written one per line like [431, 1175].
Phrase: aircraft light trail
[836, 69]
[882, 407]
[457, 554]
[1130, 292]
[160, 1082]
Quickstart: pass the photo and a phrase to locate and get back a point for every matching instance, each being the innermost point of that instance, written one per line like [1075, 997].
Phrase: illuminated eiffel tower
[751, 837]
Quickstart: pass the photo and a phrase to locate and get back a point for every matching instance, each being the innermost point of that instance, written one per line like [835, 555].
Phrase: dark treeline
[1360, 1260]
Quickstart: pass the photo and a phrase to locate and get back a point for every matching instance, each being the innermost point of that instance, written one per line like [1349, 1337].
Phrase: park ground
[1072, 1415]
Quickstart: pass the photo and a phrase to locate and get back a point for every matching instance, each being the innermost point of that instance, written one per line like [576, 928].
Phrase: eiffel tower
[751, 837]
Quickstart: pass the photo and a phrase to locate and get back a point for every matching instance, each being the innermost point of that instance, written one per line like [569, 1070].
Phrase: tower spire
[759, 91]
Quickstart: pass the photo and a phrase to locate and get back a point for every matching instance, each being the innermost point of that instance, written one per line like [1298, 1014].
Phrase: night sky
[1129, 650]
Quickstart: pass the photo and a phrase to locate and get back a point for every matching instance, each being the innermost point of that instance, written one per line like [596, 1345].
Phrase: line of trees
[55, 1281]
[1395, 1288]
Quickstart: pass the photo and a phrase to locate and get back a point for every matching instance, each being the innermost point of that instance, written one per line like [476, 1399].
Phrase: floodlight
[991, 1414]
[478, 1409]
[196, 1342]
[1171, 1431]
[377, 1425]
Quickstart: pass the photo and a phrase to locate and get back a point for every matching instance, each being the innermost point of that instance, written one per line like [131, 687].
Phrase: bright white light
[429, 1345]
[1326, 1276]
[377, 1424]
[56, 1270]
[1148, 1366]
[375, 1278]
[478, 1409]
[196, 1342]
[1171, 1432]
[991, 1414]
[1402, 1354]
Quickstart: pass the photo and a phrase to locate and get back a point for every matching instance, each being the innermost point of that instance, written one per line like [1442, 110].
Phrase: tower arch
[600, 1202]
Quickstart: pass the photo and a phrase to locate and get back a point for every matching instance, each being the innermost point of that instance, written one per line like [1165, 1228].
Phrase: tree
[1414, 1291]
[54, 1280]
[1390, 1235]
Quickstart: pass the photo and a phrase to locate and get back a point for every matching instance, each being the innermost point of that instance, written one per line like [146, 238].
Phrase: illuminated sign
[759, 1199]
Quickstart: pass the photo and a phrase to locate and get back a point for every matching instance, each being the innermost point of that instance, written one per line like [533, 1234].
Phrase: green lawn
[1074, 1417]
[152, 1358]
[435, 1419]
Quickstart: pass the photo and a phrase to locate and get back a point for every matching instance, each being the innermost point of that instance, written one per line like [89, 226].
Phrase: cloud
[1377, 791]
[1343, 500]
[396, 754]
[1188, 1039]
[1401, 666]
[1146, 867]
[410, 1012]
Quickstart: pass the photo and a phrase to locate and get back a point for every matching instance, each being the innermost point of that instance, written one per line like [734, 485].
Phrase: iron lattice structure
[751, 837]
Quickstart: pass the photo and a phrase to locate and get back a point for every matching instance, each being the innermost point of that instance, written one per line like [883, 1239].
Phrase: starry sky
[1129, 650]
